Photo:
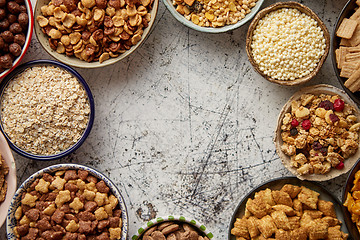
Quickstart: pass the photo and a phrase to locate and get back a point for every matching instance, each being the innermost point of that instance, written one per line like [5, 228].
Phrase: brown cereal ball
[2, 13]
[2, 3]
[23, 9]
[12, 18]
[6, 61]
[13, 7]
[15, 28]
[15, 49]
[8, 36]
[20, 39]
[4, 24]
[2, 43]
[23, 20]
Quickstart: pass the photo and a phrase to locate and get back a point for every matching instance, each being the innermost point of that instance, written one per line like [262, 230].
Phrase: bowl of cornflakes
[213, 16]
[91, 34]
[67, 201]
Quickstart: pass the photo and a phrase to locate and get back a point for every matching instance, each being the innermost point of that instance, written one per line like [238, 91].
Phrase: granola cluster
[290, 213]
[319, 133]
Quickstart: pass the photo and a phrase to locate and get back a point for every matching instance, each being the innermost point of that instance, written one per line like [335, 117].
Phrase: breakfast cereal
[319, 133]
[352, 201]
[4, 170]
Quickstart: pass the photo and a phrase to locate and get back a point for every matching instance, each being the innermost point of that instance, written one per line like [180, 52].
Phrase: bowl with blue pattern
[173, 227]
[11, 221]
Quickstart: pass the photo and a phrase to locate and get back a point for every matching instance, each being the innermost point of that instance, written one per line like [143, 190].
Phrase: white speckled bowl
[226, 28]
[15, 203]
[201, 228]
[10, 178]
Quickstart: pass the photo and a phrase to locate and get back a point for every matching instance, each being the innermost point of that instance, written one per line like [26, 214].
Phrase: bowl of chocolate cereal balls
[287, 43]
[16, 28]
[67, 201]
[91, 34]
[213, 16]
[47, 110]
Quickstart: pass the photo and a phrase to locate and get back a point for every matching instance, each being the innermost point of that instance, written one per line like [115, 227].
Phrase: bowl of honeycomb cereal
[317, 133]
[213, 16]
[67, 201]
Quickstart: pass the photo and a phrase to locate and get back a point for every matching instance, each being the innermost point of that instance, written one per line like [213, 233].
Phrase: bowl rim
[12, 172]
[75, 62]
[10, 223]
[223, 29]
[171, 218]
[314, 89]
[347, 215]
[27, 41]
[80, 79]
[335, 42]
[304, 9]
[274, 180]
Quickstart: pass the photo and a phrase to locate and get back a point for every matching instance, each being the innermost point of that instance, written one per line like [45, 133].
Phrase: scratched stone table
[185, 125]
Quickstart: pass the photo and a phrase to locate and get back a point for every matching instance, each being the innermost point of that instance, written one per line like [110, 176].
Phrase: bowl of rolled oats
[317, 133]
[47, 110]
[67, 201]
[213, 16]
[173, 227]
[93, 33]
[7, 178]
[287, 43]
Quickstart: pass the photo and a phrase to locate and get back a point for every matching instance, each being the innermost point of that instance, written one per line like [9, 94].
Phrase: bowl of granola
[173, 227]
[67, 201]
[213, 16]
[47, 110]
[91, 34]
[316, 136]
[288, 208]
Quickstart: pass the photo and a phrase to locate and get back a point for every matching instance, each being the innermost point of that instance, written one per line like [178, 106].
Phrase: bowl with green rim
[173, 225]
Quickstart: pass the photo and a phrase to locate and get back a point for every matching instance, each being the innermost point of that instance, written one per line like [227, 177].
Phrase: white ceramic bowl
[226, 28]
[16, 201]
[10, 178]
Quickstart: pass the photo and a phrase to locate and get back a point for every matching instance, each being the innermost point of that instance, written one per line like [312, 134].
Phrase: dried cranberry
[327, 105]
[340, 166]
[323, 150]
[339, 105]
[293, 131]
[294, 123]
[306, 124]
[334, 118]
[316, 145]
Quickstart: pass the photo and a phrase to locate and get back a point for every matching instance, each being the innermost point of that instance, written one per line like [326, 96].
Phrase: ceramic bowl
[75, 62]
[302, 8]
[87, 130]
[16, 201]
[346, 12]
[277, 184]
[316, 90]
[10, 178]
[347, 215]
[226, 28]
[27, 41]
[176, 219]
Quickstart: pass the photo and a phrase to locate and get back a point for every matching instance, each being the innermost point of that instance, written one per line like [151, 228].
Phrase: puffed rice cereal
[287, 44]
[214, 13]
[44, 110]
[319, 133]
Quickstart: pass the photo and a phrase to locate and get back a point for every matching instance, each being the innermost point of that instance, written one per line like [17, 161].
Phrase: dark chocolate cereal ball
[15, 28]
[15, 49]
[6, 61]
[13, 7]
[2, 3]
[2, 43]
[8, 36]
[23, 9]
[23, 20]
[20, 39]
[4, 24]
[12, 18]
[2, 13]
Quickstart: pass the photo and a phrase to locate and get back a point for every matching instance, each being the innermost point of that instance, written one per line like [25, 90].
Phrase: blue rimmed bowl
[176, 219]
[226, 28]
[16, 201]
[88, 128]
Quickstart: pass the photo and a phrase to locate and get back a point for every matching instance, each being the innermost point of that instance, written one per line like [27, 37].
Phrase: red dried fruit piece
[340, 166]
[339, 105]
[306, 124]
[294, 123]
[316, 145]
[334, 118]
[327, 105]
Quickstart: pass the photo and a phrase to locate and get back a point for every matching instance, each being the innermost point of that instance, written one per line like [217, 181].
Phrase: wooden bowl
[302, 9]
[285, 159]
